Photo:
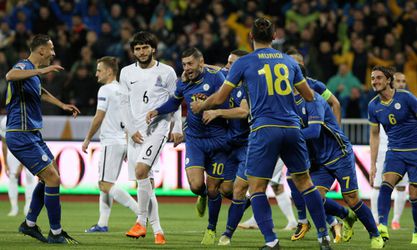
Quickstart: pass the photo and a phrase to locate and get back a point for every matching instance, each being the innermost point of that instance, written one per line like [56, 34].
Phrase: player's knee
[351, 198]
[239, 192]
[104, 187]
[413, 191]
[302, 181]
[226, 188]
[277, 188]
[196, 187]
[212, 192]
[141, 171]
[322, 191]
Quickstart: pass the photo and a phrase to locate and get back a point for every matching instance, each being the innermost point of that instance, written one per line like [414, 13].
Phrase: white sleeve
[3, 127]
[126, 112]
[103, 99]
[176, 118]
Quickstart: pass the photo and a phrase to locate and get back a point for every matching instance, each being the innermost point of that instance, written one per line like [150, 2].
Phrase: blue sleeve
[179, 92]
[315, 111]
[372, 119]
[235, 73]
[317, 86]
[298, 74]
[169, 106]
[311, 132]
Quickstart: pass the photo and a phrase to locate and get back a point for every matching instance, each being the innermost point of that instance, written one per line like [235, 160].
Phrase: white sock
[374, 203]
[284, 203]
[30, 223]
[333, 223]
[303, 221]
[144, 196]
[153, 215]
[124, 198]
[321, 239]
[272, 243]
[56, 231]
[13, 193]
[105, 204]
[399, 203]
[30, 185]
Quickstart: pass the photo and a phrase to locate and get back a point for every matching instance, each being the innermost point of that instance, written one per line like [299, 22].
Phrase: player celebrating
[13, 168]
[268, 77]
[145, 85]
[113, 143]
[206, 145]
[395, 110]
[401, 196]
[24, 140]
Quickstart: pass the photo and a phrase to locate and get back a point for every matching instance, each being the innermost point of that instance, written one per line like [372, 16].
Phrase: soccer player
[113, 143]
[395, 110]
[206, 145]
[13, 168]
[400, 196]
[268, 76]
[24, 140]
[145, 85]
[332, 158]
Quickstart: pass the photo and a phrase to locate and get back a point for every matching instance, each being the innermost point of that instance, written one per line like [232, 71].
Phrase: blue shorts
[401, 162]
[236, 163]
[209, 154]
[343, 171]
[30, 149]
[268, 143]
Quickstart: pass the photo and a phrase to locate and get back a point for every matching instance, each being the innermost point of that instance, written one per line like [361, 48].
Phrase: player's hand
[51, 68]
[150, 115]
[137, 137]
[71, 108]
[84, 147]
[210, 115]
[372, 175]
[200, 97]
[196, 106]
[184, 77]
[177, 138]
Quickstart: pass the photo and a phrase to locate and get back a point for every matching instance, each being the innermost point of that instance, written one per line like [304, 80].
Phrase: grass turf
[183, 230]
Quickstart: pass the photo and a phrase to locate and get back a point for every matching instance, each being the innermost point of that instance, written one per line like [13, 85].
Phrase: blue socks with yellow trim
[298, 201]
[263, 215]
[414, 212]
[384, 202]
[236, 211]
[364, 214]
[37, 202]
[53, 206]
[333, 208]
[214, 206]
[315, 206]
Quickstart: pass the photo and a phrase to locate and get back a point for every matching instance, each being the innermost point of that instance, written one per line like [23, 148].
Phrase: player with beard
[145, 85]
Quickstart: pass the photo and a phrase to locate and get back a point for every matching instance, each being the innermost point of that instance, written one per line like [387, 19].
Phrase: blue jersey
[238, 128]
[268, 77]
[319, 87]
[207, 83]
[23, 101]
[399, 119]
[332, 144]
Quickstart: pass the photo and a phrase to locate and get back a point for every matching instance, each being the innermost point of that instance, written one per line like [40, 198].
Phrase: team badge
[206, 87]
[239, 94]
[303, 110]
[44, 157]
[397, 105]
[187, 160]
[158, 81]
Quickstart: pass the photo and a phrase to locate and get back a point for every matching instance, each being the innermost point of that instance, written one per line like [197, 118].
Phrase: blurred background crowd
[340, 40]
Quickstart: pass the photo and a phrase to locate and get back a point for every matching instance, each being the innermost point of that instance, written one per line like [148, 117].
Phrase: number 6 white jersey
[146, 90]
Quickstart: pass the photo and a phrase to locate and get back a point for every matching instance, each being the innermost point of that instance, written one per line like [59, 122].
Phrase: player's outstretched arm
[335, 105]
[305, 91]
[240, 112]
[95, 125]
[48, 97]
[374, 144]
[19, 74]
[212, 101]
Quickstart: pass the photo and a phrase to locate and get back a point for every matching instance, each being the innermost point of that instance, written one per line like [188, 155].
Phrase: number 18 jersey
[268, 77]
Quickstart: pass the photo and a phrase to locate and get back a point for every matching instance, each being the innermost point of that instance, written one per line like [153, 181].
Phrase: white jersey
[3, 127]
[112, 129]
[146, 90]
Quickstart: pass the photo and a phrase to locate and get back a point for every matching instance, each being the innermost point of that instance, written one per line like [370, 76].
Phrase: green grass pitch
[183, 229]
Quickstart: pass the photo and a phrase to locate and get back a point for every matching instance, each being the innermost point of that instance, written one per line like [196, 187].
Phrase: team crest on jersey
[303, 110]
[187, 160]
[397, 105]
[158, 81]
[239, 94]
[44, 157]
[20, 65]
[206, 87]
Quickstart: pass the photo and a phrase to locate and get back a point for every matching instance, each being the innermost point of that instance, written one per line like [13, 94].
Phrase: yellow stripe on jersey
[272, 125]
[300, 82]
[229, 83]
[22, 130]
[9, 93]
[177, 97]
[403, 149]
[211, 70]
[387, 103]
[373, 123]
[315, 122]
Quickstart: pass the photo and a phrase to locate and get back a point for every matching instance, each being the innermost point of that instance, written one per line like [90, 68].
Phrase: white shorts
[13, 163]
[277, 175]
[110, 163]
[148, 153]
[380, 168]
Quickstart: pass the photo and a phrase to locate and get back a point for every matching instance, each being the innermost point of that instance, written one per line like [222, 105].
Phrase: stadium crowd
[340, 40]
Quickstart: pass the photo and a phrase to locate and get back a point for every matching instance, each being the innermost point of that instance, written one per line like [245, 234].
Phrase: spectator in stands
[44, 23]
[342, 83]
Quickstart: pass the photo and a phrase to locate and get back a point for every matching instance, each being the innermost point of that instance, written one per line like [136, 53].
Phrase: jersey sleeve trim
[300, 82]
[315, 122]
[229, 83]
[373, 123]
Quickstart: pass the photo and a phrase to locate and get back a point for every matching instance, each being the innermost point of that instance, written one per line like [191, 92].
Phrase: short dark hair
[263, 30]
[239, 52]
[388, 72]
[110, 62]
[291, 52]
[142, 38]
[196, 53]
[38, 40]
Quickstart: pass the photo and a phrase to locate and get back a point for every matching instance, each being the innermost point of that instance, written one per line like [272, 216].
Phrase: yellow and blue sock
[263, 215]
[384, 202]
[53, 206]
[214, 205]
[414, 212]
[333, 208]
[364, 214]
[315, 206]
[37, 202]
[298, 201]
[236, 211]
